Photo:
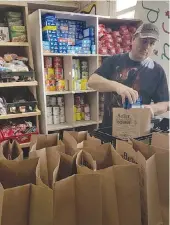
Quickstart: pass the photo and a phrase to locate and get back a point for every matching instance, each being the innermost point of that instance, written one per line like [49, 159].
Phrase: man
[133, 75]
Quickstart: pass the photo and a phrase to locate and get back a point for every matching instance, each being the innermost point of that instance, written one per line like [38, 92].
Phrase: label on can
[62, 111]
[60, 101]
[78, 116]
[62, 119]
[87, 116]
[86, 108]
[49, 111]
[82, 115]
[49, 120]
[53, 101]
[56, 119]
[48, 62]
[56, 111]
[60, 85]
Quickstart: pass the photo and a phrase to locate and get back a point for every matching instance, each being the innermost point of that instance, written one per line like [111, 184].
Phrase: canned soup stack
[55, 110]
[81, 109]
[54, 74]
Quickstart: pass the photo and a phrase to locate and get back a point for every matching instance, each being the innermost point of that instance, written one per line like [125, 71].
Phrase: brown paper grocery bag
[77, 140]
[26, 205]
[49, 158]
[139, 153]
[16, 173]
[11, 151]
[66, 166]
[158, 189]
[120, 186]
[77, 200]
[161, 140]
[43, 141]
[130, 123]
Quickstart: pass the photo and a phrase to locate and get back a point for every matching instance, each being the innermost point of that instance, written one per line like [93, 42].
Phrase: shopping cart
[105, 134]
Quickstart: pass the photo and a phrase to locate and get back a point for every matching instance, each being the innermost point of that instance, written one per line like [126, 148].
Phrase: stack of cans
[55, 110]
[81, 109]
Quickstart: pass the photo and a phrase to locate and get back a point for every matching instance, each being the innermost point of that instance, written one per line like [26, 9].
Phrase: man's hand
[158, 108]
[126, 92]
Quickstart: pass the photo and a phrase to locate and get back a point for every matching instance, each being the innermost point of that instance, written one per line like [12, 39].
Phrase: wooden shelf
[61, 126]
[19, 84]
[58, 92]
[84, 123]
[20, 115]
[73, 55]
[13, 44]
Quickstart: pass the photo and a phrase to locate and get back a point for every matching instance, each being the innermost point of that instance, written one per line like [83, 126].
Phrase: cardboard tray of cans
[17, 76]
[105, 133]
[21, 107]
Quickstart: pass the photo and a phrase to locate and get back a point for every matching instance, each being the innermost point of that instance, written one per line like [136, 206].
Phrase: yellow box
[84, 84]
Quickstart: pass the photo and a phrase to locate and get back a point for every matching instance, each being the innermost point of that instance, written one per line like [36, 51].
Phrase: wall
[157, 12]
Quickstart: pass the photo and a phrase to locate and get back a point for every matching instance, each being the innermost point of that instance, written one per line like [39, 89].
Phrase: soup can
[56, 119]
[56, 110]
[49, 120]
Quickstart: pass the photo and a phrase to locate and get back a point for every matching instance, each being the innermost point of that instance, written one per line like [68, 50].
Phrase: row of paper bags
[82, 182]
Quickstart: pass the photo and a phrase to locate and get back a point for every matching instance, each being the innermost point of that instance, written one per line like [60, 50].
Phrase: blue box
[89, 32]
[49, 16]
[71, 22]
[46, 46]
[49, 37]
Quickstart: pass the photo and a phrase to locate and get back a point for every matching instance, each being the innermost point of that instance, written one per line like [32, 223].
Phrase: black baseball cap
[148, 30]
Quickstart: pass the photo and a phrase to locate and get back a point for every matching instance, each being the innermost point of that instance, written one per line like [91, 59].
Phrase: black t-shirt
[146, 77]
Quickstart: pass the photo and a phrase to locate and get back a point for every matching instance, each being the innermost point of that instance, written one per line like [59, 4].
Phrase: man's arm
[158, 108]
[102, 82]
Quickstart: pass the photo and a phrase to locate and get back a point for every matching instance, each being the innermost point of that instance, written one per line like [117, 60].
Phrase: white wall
[155, 11]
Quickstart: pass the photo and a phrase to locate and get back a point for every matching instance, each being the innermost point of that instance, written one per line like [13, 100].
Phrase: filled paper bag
[17, 173]
[147, 159]
[161, 140]
[49, 158]
[120, 185]
[74, 141]
[40, 141]
[130, 123]
[11, 151]
[78, 200]
[26, 205]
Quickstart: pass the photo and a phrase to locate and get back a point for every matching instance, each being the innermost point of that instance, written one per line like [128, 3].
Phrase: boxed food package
[18, 34]
[131, 123]
[4, 34]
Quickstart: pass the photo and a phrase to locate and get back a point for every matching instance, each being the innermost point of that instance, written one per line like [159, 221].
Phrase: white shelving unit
[93, 59]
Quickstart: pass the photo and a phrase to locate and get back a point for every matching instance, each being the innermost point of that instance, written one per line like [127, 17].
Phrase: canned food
[48, 100]
[82, 99]
[52, 85]
[74, 117]
[62, 111]
[75, 109]
[60, 101]
[60, 85]
[50, 73]
[87, 116]
[77, 100]
[49, 120]
[84, 84]
[57, 61]
[78, 85]
[82, 115]
[48, 62]
[56, 111]
[78, 116]
[78, 109]
[56, 119]
[53, 101]
[84, 68]
[87, 108]
[62, 119]
[84, 63]
[47, 84]
[85, 75]
[58, 72]
[49, 111]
